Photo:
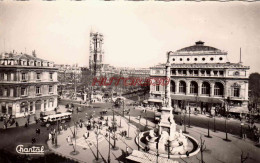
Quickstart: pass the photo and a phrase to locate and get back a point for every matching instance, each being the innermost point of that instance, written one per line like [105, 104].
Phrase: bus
[52, 119]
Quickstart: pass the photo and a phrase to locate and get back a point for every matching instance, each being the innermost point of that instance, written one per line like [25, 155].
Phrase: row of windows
[196, 72]
[196, 59]
[26, 63]
[24, 91]
[24, 76]
[205, 89]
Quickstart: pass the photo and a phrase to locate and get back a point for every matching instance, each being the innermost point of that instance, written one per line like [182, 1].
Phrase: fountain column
[167, 116]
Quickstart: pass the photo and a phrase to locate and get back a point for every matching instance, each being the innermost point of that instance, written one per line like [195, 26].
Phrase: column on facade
[18, 90]
[212, 89]
[176, 86]
[187, 88]
[211, 73]
[199, 88]
[33, 106]
[226, 90]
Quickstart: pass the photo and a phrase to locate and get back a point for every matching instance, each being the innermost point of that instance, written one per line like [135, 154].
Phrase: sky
[136, 34]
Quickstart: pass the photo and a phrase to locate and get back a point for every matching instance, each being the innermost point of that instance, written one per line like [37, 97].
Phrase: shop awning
[196, 99]
[238, 110]
[155, 100]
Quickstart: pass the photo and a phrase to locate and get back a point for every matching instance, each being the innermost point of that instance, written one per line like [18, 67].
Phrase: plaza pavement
[217, 150]
[87, 149]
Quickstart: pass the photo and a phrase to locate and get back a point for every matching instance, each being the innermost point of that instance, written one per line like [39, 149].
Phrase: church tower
[96, 55]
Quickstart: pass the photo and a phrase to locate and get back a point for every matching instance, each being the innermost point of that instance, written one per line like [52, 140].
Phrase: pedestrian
[50, 136]
[16, 124]
[65, 127]
[127, 150]
[33, 140]
[60, 127]
[244, 135]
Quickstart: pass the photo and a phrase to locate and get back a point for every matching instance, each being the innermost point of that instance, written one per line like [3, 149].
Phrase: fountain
[168, 140]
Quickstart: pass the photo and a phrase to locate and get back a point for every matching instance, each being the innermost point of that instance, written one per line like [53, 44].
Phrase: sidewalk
[218, 150]
[87, 148]
[22, 120]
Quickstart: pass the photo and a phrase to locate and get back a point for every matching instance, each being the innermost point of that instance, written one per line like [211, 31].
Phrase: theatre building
[27, 85]
[202, 78]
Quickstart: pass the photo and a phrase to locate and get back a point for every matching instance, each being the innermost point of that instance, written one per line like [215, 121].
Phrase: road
[12, 137]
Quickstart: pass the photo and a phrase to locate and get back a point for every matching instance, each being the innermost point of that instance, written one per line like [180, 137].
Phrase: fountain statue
[168, 140]
[176, 142]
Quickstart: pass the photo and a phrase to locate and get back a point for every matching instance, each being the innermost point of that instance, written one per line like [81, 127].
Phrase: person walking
[127, 151]
[50, 136]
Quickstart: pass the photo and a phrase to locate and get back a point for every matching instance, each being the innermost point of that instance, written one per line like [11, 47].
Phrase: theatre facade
[203, 79]
[28, 85]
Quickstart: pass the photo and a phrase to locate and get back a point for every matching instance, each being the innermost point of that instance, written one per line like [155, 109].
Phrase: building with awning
[201, 77]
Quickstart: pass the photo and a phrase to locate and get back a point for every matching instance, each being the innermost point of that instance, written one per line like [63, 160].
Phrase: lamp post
[108, 159]
[189, 118]
[214, 119]
[168, 146]
[185, 131]
[114, 146]
[138, 138]
[128, 135]
[241, 129]
[208, 136]
[226, 112]
[120, 122]
[129, 117]
[97, 132]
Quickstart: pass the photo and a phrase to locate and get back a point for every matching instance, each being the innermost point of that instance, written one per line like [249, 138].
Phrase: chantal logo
[32, 149]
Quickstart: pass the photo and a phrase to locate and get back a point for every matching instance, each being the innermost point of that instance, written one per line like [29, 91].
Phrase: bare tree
[244, 158]
[202, 149]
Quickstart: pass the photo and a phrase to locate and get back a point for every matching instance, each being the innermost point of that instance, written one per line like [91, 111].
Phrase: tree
[244, 158]
[202, 149]
[254, 88]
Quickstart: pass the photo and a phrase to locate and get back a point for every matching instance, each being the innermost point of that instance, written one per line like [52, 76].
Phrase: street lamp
[214, 118]
[208, 136]
[185, 131]
[189, 118]
[120, 122]
[226, 112]
[114, 136]
[128, 135]
[97, 132]
[241, 129]
[108, 159]
[137, 132]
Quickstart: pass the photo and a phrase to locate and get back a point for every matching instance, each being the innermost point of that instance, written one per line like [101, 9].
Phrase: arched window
[218, 89]
[193, 87]
[182, 87]
[172, 86]
[205, 88]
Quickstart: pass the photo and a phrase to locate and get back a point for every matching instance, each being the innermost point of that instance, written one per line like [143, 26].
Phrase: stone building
[27, 85]
[202, 78]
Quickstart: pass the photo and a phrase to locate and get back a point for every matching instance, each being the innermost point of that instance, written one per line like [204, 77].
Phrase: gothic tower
[96, 55]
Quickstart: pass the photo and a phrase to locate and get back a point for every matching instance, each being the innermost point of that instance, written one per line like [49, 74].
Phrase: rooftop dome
[199, 46]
